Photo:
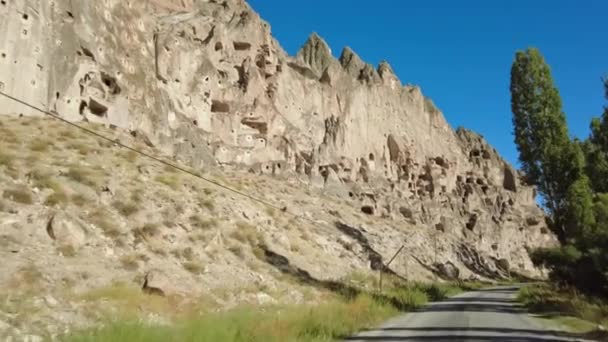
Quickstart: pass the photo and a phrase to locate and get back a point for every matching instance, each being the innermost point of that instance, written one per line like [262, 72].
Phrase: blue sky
[460, 52]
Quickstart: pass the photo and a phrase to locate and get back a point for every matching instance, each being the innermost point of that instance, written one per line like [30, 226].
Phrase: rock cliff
[206, 83]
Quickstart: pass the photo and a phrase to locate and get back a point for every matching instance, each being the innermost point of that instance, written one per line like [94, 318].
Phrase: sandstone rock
[448, 271]
[66, 230]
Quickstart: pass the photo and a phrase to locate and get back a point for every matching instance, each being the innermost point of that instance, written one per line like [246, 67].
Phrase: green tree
[596, 150]
[550, 160]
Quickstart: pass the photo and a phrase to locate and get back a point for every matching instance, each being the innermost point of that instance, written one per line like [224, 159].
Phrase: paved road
[485, 315]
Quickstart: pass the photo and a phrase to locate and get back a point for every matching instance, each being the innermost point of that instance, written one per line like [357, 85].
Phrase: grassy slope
[334, 319]
[565, 308]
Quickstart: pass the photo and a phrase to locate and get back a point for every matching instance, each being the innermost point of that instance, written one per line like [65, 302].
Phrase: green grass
[326, 322]
[337, 318]
[565, 307]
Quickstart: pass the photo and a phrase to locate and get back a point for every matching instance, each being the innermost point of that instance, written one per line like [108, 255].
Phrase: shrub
[100, 219]
[201, 223]
[130, 262]
[246, 233]
[126, 209]
[40, 145]
[81, 175]
[79, 199]
[57, 198]
[171, 180]
[193, 267]
[67, 251]
[19, 194]
[206, 203]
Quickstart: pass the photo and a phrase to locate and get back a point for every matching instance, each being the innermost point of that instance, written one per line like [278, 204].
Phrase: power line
[147, 155]
[56, 116]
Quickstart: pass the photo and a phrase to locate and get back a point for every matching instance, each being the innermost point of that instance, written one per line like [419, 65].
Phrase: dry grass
[40, 145]
[151, 229]
[193, 267]
[125, 208]
[171, 180]
[57, 198]
[246, 233]
[7, 159]
[82, 147]
[130, 262]
[206, 203]
[67, 251]
[100, 219]
[19, 194]
[81, 175]
[200, 222]
[79, 199]
[129, 156]
[236, 249]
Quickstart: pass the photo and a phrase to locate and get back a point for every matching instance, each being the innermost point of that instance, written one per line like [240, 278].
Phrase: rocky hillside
[360, 163]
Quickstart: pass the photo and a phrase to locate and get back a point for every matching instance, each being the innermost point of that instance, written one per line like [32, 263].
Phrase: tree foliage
[572, 176]
[550, 160]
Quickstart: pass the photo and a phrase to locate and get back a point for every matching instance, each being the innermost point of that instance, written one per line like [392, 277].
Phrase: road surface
[484, 315]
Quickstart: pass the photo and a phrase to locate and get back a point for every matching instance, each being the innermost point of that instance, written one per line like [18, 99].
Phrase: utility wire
[157, 159]
[56, 116]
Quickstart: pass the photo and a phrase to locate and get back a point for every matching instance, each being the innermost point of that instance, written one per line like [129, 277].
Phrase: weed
[100, 219]
[19, 194]
[57, 198]
[236, 249]
[7, 159]
[171, 180]
[67, 251]
[40, 145]
[246, 233]
[199, 222]
[79, 199]
[130, 262]
[81, 175]
[126, 209]
[193, 267]
[150, 229]
[207, 203]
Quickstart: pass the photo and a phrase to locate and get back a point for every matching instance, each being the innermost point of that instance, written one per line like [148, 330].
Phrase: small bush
[193, 267]
[207, 203]
[246, 233]
[171, 180]
[67, 251]
[130, 262]
[150, 229]
[7, 159]
[100, 219]
[40, 145]
[81, 147]
[236, 249]
[201, 223]
[126, 209]
[57, 198]
[81, 175]
[79, 200]
[19, 194]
